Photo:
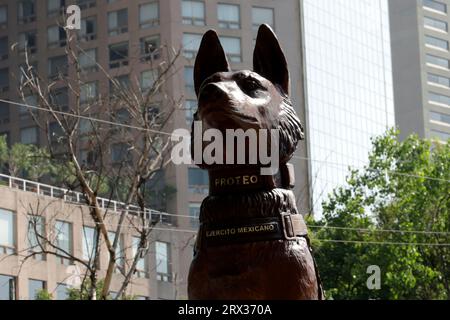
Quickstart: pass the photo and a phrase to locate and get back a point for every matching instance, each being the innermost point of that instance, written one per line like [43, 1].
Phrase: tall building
[421, 67]
[116, 34]
[349, 96]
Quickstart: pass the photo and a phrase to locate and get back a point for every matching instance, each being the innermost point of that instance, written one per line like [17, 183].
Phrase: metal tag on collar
[286, 215]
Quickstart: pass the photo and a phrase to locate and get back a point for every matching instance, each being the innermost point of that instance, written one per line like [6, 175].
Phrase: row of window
[228, 15]
[440, 62]
[63, 240]
[8, 289]
[58, 66]
[193, 13]
[435, 5]
[117, 20]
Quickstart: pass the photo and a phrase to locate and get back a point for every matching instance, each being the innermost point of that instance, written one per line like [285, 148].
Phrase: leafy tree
[405, 187]
[43, 295]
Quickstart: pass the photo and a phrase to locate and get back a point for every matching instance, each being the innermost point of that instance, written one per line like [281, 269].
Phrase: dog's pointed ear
[269, 60]
[210, 59]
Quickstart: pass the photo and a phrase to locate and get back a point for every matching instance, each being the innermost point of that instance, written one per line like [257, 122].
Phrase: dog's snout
[212, 91]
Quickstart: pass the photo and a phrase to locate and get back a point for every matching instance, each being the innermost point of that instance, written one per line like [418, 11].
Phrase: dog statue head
[245, 99]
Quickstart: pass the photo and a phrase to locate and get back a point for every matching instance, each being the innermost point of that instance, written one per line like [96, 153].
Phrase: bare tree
[109, 146]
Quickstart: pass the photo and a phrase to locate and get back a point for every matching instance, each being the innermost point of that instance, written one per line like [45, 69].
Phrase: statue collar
[249, 179]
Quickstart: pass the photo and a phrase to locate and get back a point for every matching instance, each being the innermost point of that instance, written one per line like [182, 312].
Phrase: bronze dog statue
[252, 243]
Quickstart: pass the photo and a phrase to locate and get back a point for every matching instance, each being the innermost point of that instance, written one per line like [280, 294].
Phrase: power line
[175, 135]
[381, 230]
[386, 243]
[158, 213]
[390, 243]
[377, 170]
[90, 118]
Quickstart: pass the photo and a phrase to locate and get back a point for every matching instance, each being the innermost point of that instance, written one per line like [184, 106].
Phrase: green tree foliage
[43, 295]
[406, 187]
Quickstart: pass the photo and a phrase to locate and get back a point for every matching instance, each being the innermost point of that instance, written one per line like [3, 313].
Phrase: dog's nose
[212, 91]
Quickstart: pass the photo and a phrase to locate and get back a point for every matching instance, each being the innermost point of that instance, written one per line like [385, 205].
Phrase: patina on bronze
[252, 243]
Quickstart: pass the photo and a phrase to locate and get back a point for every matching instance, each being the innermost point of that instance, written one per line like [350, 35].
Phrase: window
[62, 291]
[85, 4]
[149, 15]
[26, 11]
[148, 79]
[7, 232]
[123, 116]
[122, 81]
[141, 266]
[36, 227]
[56, 37]
[88, 30]
[440, 117]
[438, 61]
[89, 243]
[4, 80]
[3, 17]
[120, 153]
[29, 135]
[163, 261]
[27, 41]
[4, 48]
[25, 70]
[194, 213]
[4, 113]
[232, 47]
[88, 92]
[191, 43]
[435, 24]
[86, 126]
[56, 133]
[57, 66]
[261, 16]
[118, 55]
[189, 80]
[150, 48]
[55, 7]
[60, 98]
[441, 135]
[228, 16]
[118, 22]
[439, 80]
[34, 286]
[198, 181]
[435, 5]
[88, 158]
[193, 12]
[7, 137]
[439, 98]
[7, 287]
[88, 60]
[64, 241]
[189, 107]
[120, 253]
[436, 42]
[24, 112]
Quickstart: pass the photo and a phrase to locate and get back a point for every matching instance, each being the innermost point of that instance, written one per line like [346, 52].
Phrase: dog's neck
[238, 180]
[233, 207]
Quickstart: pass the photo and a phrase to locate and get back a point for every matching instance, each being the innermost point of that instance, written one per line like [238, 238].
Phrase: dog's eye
[249, 86]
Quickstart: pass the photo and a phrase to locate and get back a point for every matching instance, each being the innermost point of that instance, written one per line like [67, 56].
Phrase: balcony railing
[75, 197]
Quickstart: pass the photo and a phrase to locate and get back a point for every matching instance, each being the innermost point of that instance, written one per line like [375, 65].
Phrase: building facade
[118, 34]
[349, 97]
[421, 67]
[30, 212]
